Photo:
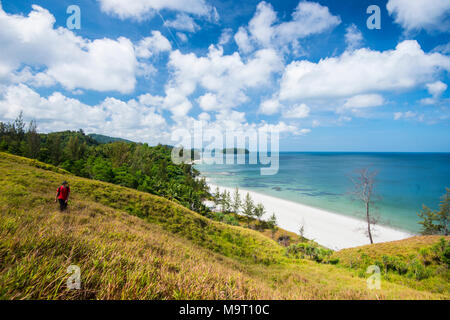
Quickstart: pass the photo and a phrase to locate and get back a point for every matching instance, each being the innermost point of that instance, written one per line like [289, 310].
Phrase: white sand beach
[329, 229]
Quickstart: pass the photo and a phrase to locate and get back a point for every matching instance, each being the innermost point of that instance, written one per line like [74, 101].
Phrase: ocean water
[405, 182]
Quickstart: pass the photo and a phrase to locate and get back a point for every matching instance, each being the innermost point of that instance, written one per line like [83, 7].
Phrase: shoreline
[329, 229]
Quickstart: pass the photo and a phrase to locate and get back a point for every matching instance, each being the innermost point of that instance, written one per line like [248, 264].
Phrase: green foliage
[225, 202]
[132, 165]
[436, 222]
[424, 266]
[312, 251]
[259, 211]
[248, 207]
[237, 203]
[273, 224]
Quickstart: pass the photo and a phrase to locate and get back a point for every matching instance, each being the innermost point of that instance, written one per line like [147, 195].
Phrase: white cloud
[421, 14]
[281, 127]
[225, 37]
[183, 37]
[183, 22]
[224, 78]
[436, 89]
[270, 106]
[404, 115]
[243, 41]
[443, 48]
[297, 112]
[74, 62]
[361, 72]
[353, 37]
[262, 31]
[137, 119]
[364, 101]
[131, 119]
[204, 116]
[316, 123]
[155, 44]
[209, 102]
[141, 9]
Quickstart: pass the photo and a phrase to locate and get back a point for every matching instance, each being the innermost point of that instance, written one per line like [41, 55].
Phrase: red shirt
[63, 193]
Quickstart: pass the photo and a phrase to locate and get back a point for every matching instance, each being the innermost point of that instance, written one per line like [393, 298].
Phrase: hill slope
[132, 245]
[106, 139]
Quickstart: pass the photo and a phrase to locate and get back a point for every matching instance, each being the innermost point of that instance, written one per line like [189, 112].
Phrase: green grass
[419, 262]
[133, 245]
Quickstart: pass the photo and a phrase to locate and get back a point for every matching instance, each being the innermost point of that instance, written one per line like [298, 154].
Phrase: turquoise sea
[405, 182]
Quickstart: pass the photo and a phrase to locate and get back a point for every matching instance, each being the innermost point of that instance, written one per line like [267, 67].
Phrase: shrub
[310, 251]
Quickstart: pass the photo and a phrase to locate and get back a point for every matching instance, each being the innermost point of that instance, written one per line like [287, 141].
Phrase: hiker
[62, 195]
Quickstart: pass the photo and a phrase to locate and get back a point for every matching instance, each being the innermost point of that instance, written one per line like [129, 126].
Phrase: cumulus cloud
[155, 44]
[270, 106]
[59, 56]
[443, 48]
[436, 89]
[362, 71]
[421, 14]
[183, 37]
[364, 101]
[297, 112]
[225, 37]
[263, 30]
[224, 78]
[404, 115]
[141, 9]
[209, 102]
[133, 119]
[353, 37]
[183, 22]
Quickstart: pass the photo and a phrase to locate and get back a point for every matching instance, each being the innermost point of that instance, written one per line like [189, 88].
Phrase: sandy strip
[329, 229]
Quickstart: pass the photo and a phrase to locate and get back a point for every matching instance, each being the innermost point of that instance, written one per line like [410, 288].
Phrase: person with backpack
[62, 196]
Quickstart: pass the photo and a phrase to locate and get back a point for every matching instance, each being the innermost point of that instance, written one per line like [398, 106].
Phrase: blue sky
[311, 69]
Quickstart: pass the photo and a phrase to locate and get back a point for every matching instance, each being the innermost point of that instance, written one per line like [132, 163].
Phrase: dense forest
[133, 165]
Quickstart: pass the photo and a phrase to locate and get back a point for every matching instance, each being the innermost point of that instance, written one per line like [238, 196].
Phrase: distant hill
[105, 139]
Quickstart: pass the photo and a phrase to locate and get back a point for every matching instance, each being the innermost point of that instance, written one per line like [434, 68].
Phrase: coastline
[329, 229]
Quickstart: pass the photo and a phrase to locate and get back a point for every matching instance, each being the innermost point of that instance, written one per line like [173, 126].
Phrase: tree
[226, 201]
[55, 148]
[119, 152]
[364, 185]
[217, 197]
[33, 141]
[74, 148]
[237, 201]
[301, 231]
[259, 211]
[436, 222]
[19, 126]
[248, 207]
[273, 225]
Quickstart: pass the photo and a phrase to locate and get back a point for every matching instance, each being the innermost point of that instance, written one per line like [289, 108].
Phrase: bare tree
[364, 185]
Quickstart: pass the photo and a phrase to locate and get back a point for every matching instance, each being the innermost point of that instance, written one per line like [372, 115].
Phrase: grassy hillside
[133, 245]
[418, 262]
